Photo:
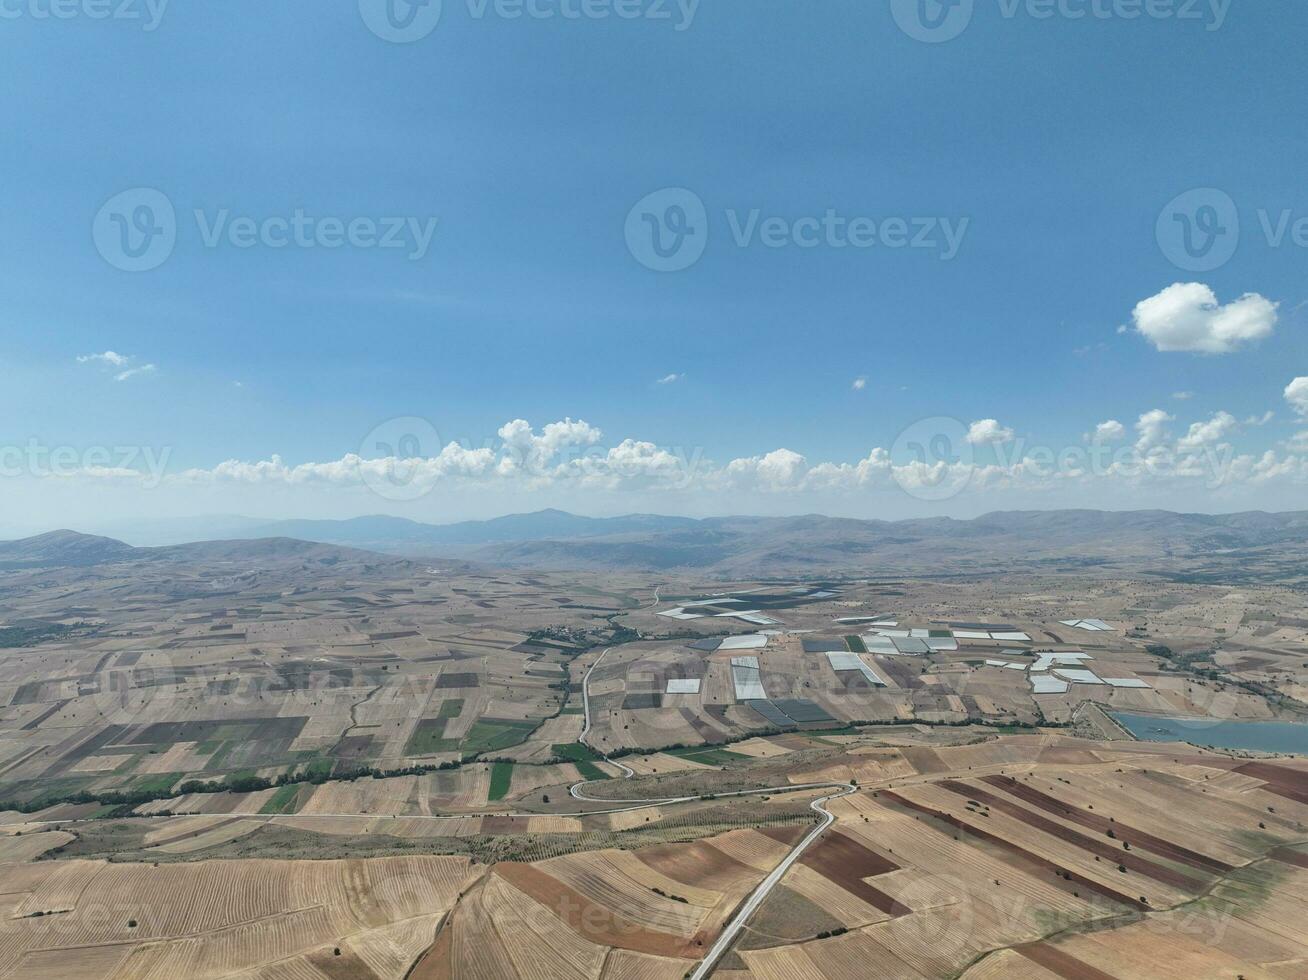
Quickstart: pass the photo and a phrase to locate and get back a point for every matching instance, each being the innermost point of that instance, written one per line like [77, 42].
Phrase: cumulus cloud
[670, 379]
[527, 452]
[1188, 317]
[780, 469]
[1110, 431]
[1296, 393]
[572, 455]
[1211, 433]
[988, 432]
[1152, 430]
[859, 384]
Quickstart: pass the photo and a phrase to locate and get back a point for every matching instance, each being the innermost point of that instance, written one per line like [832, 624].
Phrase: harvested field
[594, 921]
[846, 862]
[219, 919]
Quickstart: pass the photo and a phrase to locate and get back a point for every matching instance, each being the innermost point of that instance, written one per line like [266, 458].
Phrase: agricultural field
[204, 672]
[619, 776]
[948, 654]
[224, 919]
[1007, 855]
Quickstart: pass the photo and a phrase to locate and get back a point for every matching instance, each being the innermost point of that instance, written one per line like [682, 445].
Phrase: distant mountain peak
[62, 547]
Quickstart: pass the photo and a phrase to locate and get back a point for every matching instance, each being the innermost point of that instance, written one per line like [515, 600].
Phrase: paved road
[585, 698]
[751, 905]
[746, 910]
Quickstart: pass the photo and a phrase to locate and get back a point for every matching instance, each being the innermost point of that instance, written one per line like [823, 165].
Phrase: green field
[590, 771]
[709, 756]
[451, 708]
[320, 768]
[429, 738]
[283, 801]
[491, 734]
[855, 644]
[816, 735]
[501, 778]
[574, 752]
[158, 783]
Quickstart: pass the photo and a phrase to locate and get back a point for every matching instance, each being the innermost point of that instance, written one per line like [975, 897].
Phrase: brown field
[223, 919]
[1053, 852]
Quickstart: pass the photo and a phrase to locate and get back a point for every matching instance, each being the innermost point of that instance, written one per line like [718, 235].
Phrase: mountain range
[1250, 546]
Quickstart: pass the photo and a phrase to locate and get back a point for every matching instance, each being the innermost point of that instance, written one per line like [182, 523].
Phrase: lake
[1262, 736]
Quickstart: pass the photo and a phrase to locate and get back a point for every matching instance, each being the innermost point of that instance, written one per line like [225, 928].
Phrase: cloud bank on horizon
[983, 456]
[933, 460]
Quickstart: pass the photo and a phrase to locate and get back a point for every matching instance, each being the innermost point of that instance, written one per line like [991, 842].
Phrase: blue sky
[1058, 141]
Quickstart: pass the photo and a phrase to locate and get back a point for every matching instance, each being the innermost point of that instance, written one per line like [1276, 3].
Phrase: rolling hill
[1251, 546]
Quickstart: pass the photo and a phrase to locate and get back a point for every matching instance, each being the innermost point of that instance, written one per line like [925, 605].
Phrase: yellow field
[221, 919]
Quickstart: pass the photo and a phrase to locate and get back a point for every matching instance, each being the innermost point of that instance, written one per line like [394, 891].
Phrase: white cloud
[780, 469]
[569, 457]
[1152, 428]
[526, 452]
[111, 358]
[1182, 396]
[987, 432]
[1254, 421]
[859, 384]
[1296, 393]
[135, 372]
[669, 379]
[1110, 431]
[1210, 433]
[1188, 317]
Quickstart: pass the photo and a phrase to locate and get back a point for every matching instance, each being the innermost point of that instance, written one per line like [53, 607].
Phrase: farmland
[277, 723]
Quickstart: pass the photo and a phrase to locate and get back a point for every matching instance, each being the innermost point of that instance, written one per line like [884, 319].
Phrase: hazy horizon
[173, 530]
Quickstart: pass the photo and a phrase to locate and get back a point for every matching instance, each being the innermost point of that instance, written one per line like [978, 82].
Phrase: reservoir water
[1261, 736]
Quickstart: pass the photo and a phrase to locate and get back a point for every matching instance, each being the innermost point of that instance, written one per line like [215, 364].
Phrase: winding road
[756, 899]
[732, 929]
